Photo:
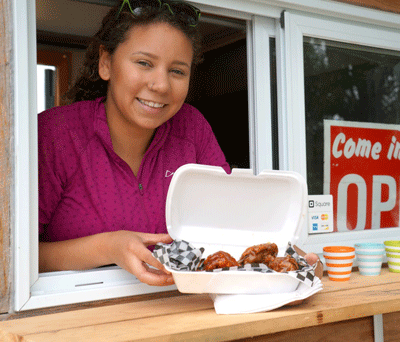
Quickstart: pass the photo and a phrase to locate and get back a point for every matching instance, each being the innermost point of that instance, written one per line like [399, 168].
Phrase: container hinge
[282, 19]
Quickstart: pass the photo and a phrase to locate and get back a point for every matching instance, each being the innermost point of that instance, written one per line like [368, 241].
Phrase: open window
[238, 106]
[267, 113]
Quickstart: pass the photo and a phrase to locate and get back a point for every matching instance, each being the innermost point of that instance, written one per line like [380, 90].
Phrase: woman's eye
[178, 72]
[144, 63]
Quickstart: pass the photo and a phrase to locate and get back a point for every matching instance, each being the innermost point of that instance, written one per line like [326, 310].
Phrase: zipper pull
[141, 188]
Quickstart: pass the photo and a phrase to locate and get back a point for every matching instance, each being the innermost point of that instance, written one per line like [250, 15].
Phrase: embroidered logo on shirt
[169, 174]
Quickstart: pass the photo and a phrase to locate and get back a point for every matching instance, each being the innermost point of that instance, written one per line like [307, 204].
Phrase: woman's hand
[311, 258]
[129, 250]
[124, 248]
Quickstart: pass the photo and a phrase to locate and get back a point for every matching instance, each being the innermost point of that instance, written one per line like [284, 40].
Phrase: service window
[238, 105]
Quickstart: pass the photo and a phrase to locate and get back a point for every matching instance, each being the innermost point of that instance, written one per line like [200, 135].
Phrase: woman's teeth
[152, 104]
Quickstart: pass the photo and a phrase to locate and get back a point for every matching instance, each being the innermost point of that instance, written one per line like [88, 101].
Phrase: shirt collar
[103, 132]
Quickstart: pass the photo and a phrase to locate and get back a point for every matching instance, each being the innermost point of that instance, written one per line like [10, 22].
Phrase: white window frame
[297, 26]
[31, 290]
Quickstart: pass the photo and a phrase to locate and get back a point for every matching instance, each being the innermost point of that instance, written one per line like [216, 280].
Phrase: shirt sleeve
[50, 166]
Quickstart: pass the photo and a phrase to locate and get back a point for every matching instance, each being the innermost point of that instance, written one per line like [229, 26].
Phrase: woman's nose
[160, 82]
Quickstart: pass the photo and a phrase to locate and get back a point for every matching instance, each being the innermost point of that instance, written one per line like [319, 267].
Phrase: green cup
[392, 248]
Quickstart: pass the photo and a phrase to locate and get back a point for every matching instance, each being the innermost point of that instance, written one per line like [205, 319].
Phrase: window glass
[357, 86]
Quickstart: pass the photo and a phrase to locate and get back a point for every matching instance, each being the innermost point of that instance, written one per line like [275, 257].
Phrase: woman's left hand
[311, 258]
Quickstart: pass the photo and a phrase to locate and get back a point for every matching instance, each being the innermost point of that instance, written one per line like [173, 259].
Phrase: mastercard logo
[324, 217]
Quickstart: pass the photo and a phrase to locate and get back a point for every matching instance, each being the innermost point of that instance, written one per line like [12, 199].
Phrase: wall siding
[5, 153]
[384, 5]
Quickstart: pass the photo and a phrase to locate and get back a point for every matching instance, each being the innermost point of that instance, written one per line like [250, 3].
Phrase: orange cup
[339, 262]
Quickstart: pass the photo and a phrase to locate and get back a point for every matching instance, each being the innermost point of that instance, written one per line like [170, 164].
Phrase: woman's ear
[104, 63]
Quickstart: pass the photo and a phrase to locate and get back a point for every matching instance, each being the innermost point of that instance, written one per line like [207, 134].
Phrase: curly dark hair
[112, 33]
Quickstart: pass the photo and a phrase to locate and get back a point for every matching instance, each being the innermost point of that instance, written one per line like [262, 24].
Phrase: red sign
[362, 172]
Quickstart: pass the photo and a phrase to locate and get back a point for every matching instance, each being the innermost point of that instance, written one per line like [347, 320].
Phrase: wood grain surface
[6, 96]
[384, 5]
[192, 317]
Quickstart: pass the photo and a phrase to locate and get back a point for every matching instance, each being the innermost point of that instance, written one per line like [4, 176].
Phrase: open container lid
[218, 211]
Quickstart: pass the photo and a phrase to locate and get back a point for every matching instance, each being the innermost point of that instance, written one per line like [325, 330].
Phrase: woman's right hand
[125, 248]
[129, 250]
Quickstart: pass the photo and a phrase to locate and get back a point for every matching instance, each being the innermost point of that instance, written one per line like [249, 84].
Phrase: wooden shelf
[193, 317]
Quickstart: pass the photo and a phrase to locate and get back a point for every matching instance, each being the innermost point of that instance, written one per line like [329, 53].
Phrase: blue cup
[370, 257]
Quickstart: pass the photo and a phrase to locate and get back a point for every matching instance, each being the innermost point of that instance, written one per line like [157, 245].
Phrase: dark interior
[219, 83]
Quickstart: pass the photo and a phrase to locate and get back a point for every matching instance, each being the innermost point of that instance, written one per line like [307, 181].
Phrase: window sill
[178, 316]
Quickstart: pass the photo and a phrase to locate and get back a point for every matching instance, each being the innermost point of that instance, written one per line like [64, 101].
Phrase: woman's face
[148, 76]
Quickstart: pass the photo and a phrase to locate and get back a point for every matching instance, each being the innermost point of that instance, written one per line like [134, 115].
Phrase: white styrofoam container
[211, 209]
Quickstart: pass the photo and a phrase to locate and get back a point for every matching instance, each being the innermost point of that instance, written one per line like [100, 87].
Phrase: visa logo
[315, 217]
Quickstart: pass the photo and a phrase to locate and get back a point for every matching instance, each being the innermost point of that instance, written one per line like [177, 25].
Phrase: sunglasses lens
[138, 11]
[190, 20]
[138, 7]
[186, 12]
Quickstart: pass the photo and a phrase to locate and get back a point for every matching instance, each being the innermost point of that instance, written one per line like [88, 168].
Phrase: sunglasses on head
[184, 11]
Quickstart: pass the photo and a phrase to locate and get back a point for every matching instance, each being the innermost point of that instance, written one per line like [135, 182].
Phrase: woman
[106, 161]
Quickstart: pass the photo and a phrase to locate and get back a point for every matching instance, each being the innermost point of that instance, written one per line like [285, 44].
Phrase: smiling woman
[128, 126]
[224, 32]
[148, 79]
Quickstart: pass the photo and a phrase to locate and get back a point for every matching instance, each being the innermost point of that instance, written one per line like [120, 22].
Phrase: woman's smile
[151, 103]
[148, 78]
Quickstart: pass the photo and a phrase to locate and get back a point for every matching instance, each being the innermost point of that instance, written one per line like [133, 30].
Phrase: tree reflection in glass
[346, 82]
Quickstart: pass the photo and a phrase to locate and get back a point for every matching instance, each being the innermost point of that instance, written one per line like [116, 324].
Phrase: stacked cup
[339, 262]
[369, 257]
[393, 255]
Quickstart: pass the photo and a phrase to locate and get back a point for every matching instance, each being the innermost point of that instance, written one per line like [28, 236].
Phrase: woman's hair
[112, 33]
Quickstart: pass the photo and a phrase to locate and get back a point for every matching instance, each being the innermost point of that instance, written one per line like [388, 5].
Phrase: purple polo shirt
[85, 188]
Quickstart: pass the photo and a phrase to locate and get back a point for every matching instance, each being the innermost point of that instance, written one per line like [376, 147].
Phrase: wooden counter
[192, 317]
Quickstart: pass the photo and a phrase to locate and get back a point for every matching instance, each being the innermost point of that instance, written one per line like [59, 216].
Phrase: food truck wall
[8, 160]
